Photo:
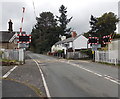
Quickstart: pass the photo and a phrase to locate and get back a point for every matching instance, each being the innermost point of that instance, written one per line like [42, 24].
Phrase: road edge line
[43, 79]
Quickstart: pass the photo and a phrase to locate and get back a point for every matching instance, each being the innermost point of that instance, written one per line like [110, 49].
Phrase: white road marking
[9, 72]
[84, 61]
[100, 75]
[112, 80]
[43, 79]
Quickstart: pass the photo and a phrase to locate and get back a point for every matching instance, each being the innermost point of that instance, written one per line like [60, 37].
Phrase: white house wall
[53, 48]
[80, 43]
[57, 47]
[70, 44]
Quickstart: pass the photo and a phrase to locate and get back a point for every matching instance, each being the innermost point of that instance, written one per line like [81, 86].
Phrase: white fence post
[21, 55]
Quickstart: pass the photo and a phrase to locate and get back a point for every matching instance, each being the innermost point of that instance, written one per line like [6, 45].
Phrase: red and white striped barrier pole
[23, 10]
[22, 20]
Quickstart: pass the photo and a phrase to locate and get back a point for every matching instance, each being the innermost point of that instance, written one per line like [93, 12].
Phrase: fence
[17, 54]
[107, 56]
[76, 55]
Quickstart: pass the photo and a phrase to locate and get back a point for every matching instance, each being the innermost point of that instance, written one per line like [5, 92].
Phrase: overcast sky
[80, 10]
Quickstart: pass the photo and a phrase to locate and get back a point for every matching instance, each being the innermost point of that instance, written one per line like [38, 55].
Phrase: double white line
[117, 81]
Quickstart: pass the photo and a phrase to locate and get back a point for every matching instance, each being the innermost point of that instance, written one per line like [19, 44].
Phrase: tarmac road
[65, 79]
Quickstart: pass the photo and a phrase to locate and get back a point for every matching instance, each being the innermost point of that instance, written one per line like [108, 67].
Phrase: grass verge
[7, 62]
[109, 64]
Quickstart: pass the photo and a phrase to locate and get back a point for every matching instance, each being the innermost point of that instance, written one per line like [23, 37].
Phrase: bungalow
[8, 38]
[74, 43]
[5, 40]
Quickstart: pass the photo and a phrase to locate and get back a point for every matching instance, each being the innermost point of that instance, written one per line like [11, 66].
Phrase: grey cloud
[80, 11]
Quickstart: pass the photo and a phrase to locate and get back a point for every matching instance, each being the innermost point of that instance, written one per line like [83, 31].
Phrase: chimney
[74, 34]
[10, 29]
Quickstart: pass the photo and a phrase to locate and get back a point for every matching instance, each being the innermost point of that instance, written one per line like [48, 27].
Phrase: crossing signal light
[24, 38]
[93, 40]
[106, 39]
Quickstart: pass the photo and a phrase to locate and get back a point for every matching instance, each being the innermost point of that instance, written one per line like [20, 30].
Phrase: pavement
[13, 88]
[23, 81]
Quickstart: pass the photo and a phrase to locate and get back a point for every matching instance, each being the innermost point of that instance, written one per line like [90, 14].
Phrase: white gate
[76, 55]
[16, 54]
[107, 56]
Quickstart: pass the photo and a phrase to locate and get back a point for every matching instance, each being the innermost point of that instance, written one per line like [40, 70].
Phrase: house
[5, 40]
[8, 38]
[74, 43]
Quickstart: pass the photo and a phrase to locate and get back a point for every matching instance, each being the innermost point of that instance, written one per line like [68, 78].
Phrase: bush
[60, 51]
